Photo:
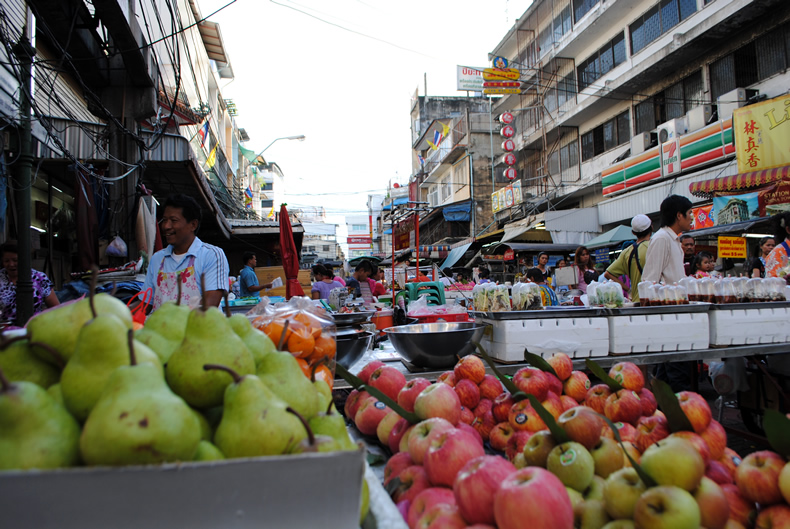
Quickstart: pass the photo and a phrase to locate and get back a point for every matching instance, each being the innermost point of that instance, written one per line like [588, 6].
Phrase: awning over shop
[458, 212]
[516, 229]
[396, 202]
[735, 227]
[454, 255]
[434, 251]
[740, 181]
[611, 237]
[534, 247]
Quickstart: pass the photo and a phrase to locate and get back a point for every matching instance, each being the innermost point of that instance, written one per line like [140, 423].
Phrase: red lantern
[508, 131]
[510, 173]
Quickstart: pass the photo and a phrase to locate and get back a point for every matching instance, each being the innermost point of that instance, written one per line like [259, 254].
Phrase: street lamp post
[300, 137]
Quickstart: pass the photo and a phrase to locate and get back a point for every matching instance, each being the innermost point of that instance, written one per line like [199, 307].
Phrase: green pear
[208, 452]
[255, 422]
[138, 420]
[164, 329]
[19, 363]
[35, 430]
[313, 443]
[102, 346]
[256, 341]
[55, 392]
[364, 506]
[332, 424]
[208, 340]
[206, 431]
[324, 394]
[281, 373]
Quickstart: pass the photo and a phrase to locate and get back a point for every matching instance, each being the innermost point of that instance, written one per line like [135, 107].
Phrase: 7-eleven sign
[670, 158]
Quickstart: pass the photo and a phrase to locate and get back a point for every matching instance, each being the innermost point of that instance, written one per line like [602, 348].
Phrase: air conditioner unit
[642, 142]
[737, 98]
[699, 117]
[670, 130]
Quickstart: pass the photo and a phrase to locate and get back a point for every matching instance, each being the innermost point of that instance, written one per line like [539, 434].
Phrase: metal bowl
[351, 347]
[344, 319]
[435, 345]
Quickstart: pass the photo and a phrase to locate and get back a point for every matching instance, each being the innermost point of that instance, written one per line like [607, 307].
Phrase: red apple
[368, 370]
[582, 425]
[384, 429]
[555, 384]
[441, 516]
[696, 409]
[716, 437]
[483, 424]
[649, 404]
[553, 404]
[562, 365]
[731, 460]
[438, 400]
[596, 397]
[533, 494]
[741, 510]
[490, 387]
[631, 449]
[623, 406]
[393, 441]
[427, 499]
[719, 473]
[448, 377]
[532, 382]
[470, 367]
[523, 416]
[568, 403]
[409, 393]
[468, 428]
[353, 402]
[388, 380]
[576, 386]
[483, 406]
[369, 415]
[757, 477]
[468, 393]
[699, 443]
[626, 431]
[500, 436]
[713, 507]
[477, 483]
[413, 480]
[396, 465]
[649, 430]
[422, 436]
[774, 517]
[501, 406]
[628, 375]
[466, 416]
[448, 453]
[518, 441]
[403, 508]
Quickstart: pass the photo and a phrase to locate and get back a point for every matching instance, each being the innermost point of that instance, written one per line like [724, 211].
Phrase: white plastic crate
[758, 324]
[579, 337]
[643, 333]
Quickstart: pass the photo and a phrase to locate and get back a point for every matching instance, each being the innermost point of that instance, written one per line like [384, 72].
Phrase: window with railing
[658, 20]
[606, 136]
[582, 7]
[611, 55]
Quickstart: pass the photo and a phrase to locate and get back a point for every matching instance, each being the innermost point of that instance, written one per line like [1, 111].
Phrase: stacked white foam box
[643, 333]
[579, 337]
[757, 324]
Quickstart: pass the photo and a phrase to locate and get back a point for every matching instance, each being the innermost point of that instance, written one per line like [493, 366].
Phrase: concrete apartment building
[612, 92]
[359, 240]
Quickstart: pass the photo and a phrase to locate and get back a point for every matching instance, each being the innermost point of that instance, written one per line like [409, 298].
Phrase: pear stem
[313, 370]
[114, 288]
[132, 357]
[94, 282]
[310, 434]
[329, 408]
[5, 385]
[227, 307]
[51, 350]
[283, 335]
[178, 289]
[203, 305]
[231, 372]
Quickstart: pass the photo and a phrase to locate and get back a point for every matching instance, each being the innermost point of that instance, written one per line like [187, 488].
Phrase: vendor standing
[357, 283]
[186, 256]
[777, 261]
[756, 267]
[631, 261]
[43, 294]
[543, 265]
[248, 280]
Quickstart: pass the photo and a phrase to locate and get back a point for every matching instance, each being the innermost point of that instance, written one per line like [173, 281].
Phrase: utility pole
[24, 52]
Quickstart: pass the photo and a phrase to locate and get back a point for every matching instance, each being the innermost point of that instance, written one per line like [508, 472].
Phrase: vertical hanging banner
[762, 134]
[402, 234]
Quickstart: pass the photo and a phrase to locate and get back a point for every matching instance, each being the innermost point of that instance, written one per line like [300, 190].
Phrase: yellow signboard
[503, 74]
[762, 134]
[732, 247]
[493, 91]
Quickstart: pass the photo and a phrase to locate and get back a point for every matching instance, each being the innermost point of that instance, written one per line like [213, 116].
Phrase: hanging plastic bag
[117, 248]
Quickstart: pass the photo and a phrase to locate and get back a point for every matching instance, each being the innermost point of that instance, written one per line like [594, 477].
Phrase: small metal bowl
[351, 347]
[435, 345]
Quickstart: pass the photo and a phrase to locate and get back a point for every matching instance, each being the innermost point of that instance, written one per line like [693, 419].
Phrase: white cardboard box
[641, 333]
[759, 323]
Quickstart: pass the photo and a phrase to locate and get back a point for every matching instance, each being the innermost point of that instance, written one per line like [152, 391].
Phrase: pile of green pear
[80, 387]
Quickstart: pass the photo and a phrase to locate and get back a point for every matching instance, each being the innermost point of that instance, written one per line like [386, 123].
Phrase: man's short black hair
[534, 274]
[671, 206]
[190, 209]
[685, 236]
[366, 266]
[484, 273]
[246, 256]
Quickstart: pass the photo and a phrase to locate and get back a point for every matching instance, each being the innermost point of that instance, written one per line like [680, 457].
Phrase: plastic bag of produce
[516, 296]
[775, 287]
[609, 295]
[480, 298]
[500, 301]
[533, 297]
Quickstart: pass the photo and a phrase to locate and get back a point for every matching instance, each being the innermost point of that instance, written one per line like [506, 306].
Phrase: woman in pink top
[582, 260]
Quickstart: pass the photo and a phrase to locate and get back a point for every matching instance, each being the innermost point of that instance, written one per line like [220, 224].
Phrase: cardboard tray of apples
[549, 450]
[195, 420]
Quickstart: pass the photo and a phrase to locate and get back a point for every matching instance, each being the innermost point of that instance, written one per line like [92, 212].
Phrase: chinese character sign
[762, 134]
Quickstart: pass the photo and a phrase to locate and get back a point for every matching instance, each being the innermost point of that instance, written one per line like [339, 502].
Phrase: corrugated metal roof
[578, 219]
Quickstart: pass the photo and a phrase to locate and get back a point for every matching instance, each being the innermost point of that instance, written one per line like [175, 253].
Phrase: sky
[342, 73]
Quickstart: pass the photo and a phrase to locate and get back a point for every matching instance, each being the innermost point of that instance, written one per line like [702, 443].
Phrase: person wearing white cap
[632, 259]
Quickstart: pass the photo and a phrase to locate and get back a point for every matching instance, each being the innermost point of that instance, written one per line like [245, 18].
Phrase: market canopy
[454, 255]
[396, 202]
[458, 212]
[611, 237]
[738, 182]
[735, 227]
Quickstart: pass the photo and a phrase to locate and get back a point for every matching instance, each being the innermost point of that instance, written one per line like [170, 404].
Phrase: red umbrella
[290, 256]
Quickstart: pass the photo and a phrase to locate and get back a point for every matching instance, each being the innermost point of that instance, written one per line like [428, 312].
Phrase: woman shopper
[324, 282]
[756, 267]
[584, 263]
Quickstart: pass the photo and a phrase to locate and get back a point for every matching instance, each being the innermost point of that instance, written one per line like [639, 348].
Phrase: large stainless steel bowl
[351, 347]
[435, 345]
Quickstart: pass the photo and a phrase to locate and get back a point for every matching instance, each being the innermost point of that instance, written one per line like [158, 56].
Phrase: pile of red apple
[447, 480]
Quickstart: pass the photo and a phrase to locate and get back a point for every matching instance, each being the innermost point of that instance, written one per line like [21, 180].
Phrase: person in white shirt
[664, 258]
[447, 277]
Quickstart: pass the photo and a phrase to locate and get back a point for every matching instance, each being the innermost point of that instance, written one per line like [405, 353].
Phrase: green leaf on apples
[644, 476]
[556, 430]
[539, 362]
[391, 404]
[346, 375]
[393, 486]
[777, 430]
[515, 393]
[602, 375]
[376, 459]
[668, 403]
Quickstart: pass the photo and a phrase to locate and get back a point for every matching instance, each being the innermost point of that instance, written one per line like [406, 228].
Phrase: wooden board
[266, 274]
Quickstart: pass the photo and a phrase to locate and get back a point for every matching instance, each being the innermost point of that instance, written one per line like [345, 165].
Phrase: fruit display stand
[664, 328]
[750, 323]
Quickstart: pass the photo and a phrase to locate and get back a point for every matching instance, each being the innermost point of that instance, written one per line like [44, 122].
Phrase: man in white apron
[185, 255]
